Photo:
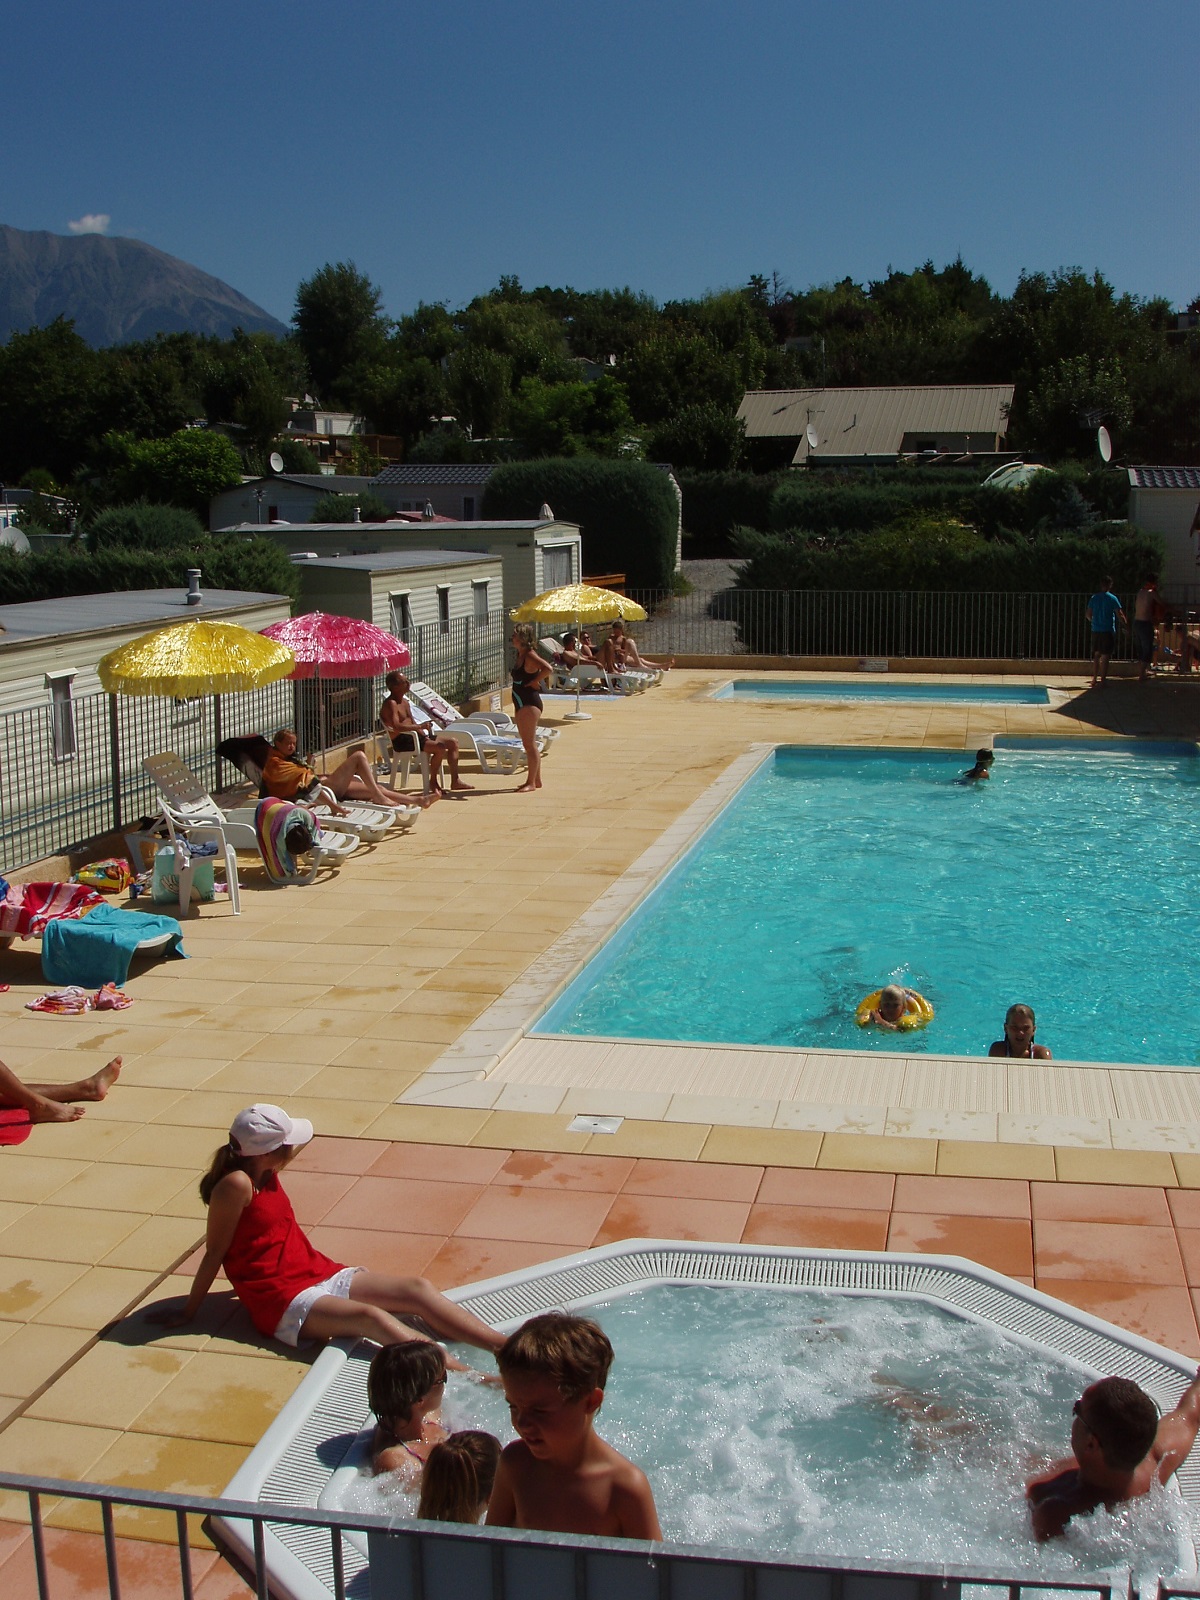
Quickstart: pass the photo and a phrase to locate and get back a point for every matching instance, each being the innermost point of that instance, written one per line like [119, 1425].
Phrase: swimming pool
[943, 693]
[1059, 883]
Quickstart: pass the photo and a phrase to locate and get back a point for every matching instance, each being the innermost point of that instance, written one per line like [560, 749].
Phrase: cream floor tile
[1151, 1167]
[62, 1233]
[980, 1125]
[156, 1243]
[30, 1177]
[180, 1466]
[34, 1352]
[642, 1105]
[109, 1385]
[227, 1399]
[96, 1297]
[1090, 1132]
[359, 1083]
[120, 1187]
[190, 1149]
[28, 1286]
[979, 1159]
[780, 1147]
[728, 1109]
[806, 1116]
[427, 1125]
[53, 1449]
[666, 1141]
[260, 1080]
[204, 1109]
[865, 1153]
[524, 1130]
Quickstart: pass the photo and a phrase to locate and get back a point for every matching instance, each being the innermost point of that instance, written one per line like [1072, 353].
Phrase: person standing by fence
[1104, 612]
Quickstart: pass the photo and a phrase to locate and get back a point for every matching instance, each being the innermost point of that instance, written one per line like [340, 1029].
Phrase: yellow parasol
[195, 658]
[577, 603]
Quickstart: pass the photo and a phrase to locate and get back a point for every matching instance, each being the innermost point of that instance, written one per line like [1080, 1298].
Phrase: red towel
[28, 907]
[15, 1125]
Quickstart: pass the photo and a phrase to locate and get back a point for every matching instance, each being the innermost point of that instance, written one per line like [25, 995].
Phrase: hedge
[715, 503]
[1038, 566]
[627, 511]
[258, 565]
[800, 502]
[144, 527]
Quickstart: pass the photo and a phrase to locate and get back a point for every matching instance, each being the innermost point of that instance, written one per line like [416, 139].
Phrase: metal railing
[878, 623]
[72, 769]
[411, 1560]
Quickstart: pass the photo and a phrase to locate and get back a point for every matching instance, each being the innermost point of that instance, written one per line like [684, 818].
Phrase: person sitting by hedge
[287, 778]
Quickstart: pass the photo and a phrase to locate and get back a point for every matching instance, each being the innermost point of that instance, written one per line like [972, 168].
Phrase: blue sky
[674, 147]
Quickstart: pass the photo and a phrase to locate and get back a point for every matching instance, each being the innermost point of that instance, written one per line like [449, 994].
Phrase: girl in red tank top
[291, 1289]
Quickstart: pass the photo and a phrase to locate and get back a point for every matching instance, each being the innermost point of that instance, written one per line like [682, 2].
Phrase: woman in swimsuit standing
[528, 674]
[1020, 1024]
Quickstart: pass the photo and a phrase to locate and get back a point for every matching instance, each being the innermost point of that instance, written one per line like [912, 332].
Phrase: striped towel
[272, 820]
[28, 907]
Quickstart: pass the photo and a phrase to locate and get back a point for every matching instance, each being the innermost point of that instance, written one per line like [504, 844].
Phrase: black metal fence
[73, 769]
[874, 623]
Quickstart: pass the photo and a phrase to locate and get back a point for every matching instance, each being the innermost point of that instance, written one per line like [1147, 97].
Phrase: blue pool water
[1067, 882]
[974, 694]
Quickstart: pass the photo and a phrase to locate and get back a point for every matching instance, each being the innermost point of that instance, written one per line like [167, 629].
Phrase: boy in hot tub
[1120, 1448]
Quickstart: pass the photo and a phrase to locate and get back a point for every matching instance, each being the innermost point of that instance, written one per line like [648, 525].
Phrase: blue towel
[97, 948]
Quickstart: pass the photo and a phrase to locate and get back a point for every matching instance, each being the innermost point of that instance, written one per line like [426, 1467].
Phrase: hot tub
[314, 1454]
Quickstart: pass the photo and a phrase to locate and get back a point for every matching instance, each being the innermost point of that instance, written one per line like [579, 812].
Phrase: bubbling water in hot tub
[816, 1424]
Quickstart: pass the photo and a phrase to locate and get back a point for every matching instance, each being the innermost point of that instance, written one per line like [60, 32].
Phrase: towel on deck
[27, 908]
[98, 948]
[15, 1125]
[272, 821]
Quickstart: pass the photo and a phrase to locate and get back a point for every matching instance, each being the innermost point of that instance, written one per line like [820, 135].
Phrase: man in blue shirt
[1103, 612]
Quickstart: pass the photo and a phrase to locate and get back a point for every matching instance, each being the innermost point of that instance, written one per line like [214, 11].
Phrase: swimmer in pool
[1020, 1025]
[893, 1003]
[984, 760]
[1120, 1447]
[404, 1389]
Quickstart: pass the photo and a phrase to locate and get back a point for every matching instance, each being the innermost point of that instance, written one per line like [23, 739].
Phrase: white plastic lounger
[498, 723]
[371, 823]
[188, 808]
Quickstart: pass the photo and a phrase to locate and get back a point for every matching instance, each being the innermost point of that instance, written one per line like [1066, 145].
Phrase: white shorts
[292, 1320]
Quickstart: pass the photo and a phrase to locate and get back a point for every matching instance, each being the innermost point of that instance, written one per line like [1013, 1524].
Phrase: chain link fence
[72, 769]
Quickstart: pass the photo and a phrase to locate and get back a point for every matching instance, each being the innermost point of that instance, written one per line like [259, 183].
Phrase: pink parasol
[338, 647]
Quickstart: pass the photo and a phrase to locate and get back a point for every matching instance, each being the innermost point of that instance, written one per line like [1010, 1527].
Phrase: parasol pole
[577, 715]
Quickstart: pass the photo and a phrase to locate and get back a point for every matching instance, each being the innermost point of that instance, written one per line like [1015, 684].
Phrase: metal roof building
[880, 424]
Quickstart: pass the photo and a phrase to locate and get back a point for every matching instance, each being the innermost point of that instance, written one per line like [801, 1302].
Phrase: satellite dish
[1104, 444]
[810, 433]
[276, 461]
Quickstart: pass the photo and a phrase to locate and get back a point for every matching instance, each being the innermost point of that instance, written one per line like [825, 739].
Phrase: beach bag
[111, 877]
[164, 882]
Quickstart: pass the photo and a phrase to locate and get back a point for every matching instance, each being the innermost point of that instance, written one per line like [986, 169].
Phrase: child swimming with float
[894, 1009]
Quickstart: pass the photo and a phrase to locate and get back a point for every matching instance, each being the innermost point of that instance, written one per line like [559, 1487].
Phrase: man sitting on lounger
[407, 734]
[286, 778]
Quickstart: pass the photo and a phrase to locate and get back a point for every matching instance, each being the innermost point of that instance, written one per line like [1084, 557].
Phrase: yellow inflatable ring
[918, 1013]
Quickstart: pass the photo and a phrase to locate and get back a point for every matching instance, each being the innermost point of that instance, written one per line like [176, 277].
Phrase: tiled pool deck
[338, 999]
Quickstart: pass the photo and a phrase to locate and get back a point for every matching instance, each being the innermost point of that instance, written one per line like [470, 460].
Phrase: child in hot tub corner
[404, 1389]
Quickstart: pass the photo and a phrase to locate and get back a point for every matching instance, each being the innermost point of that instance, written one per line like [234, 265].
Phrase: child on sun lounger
[559, 1475]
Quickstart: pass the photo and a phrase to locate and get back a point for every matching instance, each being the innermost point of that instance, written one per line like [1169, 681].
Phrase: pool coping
[1057, 696]
[500, 1064]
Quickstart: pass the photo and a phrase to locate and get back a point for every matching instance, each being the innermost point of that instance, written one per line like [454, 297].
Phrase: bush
[185, 469]
[340, 508]
[828, 509]
[715, 503]
[258, 565]
[929, 554]
[144, 527]
[627, 511]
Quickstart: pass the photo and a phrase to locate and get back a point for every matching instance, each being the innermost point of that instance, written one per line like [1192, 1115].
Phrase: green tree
[1071, 398]
[570, 419]
[341, 508]
[701, 438]
[480, 385]
[49, 378]
[186, 469]
[341, 329]
[145, 527]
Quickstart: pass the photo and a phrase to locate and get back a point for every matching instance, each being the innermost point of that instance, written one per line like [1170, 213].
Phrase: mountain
[115, 290]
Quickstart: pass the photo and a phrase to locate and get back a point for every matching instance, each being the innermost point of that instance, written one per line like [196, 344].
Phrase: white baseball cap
[262, 1128]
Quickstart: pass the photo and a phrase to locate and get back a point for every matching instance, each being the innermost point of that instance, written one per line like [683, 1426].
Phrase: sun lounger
[371, 823]
[188, 808]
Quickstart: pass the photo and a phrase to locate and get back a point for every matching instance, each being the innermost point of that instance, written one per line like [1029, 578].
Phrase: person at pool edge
[1020, 1025]
[1119, 1448]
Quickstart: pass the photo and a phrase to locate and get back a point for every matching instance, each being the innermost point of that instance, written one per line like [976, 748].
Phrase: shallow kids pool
[837, 870]
[942, 693]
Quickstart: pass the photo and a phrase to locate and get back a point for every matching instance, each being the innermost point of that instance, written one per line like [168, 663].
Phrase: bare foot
[98, 1085]
[458, 785]
[526, 788]
[54, 1111]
